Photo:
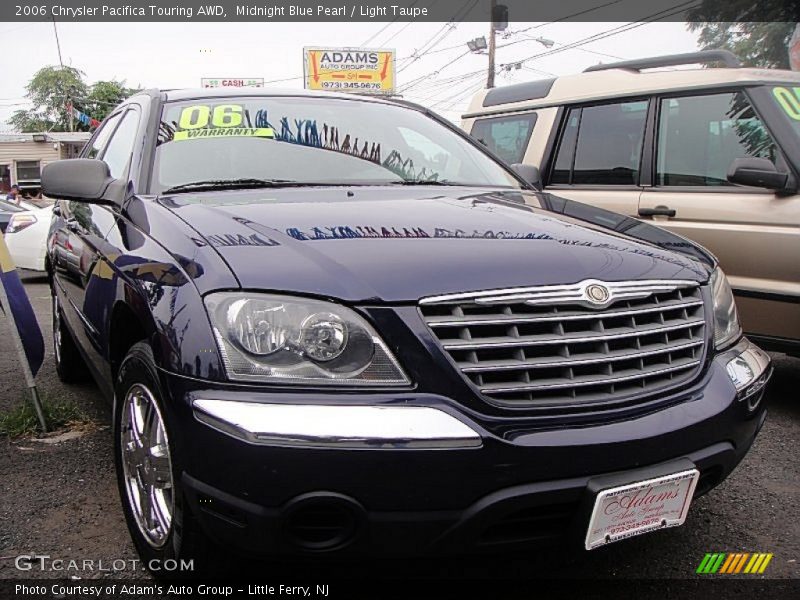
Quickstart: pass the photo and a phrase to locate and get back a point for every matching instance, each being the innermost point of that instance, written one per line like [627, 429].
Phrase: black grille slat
[525, 355]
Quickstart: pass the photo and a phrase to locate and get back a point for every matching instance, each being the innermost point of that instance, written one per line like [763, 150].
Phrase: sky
[429, 55]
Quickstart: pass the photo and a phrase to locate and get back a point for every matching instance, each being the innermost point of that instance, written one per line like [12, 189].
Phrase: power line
[5, 31]
[459, 16]
[660, 15]
[389, 24]
[404, 27]
[398, 32]
[459, 97]
[532, 39]
[547, 73]
[419, 80]
[377, 33]
[576, 14]
[461, 45]
[446, 87]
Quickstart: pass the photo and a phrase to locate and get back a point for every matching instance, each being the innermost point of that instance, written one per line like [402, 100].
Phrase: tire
[148, 473]
[70, 366]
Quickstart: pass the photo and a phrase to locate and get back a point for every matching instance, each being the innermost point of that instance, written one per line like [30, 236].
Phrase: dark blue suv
[333, 324]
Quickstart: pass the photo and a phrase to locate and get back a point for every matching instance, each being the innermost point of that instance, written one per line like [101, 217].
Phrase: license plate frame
[640, 507]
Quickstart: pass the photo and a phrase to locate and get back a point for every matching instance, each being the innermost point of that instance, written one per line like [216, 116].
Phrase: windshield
[283, 140]
[788, 99]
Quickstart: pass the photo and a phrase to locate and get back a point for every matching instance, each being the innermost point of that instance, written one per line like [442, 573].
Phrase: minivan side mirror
[529, 173]
[757, 172]
[79, 179]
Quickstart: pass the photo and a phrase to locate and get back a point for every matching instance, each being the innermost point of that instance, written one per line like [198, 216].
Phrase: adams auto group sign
[349, 70]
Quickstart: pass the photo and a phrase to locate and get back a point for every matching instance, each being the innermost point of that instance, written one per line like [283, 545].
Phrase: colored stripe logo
[734, 563]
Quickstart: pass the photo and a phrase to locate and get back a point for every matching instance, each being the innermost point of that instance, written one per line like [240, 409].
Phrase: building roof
[50, 136]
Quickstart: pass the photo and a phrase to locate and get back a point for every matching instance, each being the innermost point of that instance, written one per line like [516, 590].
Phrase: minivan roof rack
[671, 60]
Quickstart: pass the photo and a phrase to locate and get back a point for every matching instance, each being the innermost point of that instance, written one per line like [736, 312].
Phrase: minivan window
[506, 136]
[101, 136]
[608, 148]
[120, 148]
[302, 140]
[699, 137]
[562, 168]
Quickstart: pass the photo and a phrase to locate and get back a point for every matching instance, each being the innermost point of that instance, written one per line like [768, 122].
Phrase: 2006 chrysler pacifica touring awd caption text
[332, 324]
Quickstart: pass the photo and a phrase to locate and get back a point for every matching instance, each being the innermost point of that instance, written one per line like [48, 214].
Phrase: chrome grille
[555, 345]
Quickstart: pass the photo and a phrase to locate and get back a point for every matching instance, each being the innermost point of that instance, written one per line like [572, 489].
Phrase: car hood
[401, 244]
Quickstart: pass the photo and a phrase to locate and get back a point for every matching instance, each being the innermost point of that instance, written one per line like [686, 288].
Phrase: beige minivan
[709, 153]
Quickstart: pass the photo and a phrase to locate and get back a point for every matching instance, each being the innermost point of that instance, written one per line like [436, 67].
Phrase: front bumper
[263, 487]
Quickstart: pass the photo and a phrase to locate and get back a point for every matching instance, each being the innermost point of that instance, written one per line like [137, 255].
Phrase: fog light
[740, 372]
[749, 372]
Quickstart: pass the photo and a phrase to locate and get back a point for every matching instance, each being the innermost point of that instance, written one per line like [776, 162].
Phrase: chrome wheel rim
[146, 465]
[56, 329]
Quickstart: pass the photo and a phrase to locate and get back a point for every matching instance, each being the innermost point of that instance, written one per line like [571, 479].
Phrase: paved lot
[62, 499]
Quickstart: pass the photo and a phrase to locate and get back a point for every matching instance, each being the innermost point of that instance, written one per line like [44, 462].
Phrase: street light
[477, 45]
[544, 42]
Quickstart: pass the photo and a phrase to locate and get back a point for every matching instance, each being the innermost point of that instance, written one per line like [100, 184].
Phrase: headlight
[264, 337]
[726, 320]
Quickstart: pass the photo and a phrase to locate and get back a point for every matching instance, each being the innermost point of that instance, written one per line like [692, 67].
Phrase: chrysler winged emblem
[597, 293]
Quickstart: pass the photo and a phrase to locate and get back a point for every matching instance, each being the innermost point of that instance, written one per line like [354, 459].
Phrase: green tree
[49, 91]
[52, 87]
[757, 32]
[103, 97]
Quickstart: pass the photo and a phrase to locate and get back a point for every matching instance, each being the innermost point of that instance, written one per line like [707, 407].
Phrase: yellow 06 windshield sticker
[789, 100]
[224, 120]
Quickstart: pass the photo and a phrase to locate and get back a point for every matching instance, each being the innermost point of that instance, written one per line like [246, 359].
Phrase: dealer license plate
[637, 508]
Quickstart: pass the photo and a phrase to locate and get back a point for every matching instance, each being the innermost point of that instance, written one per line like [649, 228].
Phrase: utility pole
[490, 72]
[68, 99]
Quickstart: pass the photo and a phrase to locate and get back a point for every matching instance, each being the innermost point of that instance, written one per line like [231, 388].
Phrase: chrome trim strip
[540, 364]
[563, 294]
[86, 323]
[513, 319]
[578, 383]
[532, 341]
[336, 426]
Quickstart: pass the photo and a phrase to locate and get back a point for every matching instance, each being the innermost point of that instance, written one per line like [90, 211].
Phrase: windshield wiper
[230, 184]
[422, 182]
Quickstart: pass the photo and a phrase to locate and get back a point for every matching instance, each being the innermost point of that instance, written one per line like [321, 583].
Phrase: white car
[26, 237]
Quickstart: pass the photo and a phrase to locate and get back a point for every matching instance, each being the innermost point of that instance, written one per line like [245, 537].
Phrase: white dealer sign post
[214, 82]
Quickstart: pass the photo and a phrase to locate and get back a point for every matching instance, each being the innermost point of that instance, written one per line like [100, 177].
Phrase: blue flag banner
[19, 310]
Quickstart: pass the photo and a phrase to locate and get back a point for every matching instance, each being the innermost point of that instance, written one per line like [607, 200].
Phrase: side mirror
[757, 172]
[80, 179]
[529, 173]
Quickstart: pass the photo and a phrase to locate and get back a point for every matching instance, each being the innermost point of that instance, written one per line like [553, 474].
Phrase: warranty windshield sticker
[190, 134]
[223, 120]
[789, 101]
